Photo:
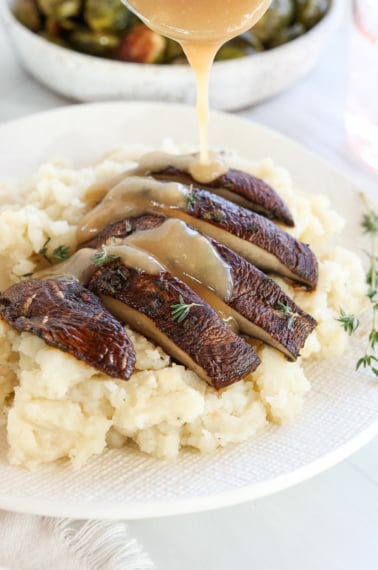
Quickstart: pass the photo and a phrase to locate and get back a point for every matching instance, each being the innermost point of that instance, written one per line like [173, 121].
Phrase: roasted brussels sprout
[57, 40]
[279, 15]
[93, 43]
[310, 12]
[60, 9]
[106, 28]
[106, 15]
[142, 45]
[244, 45]
[26, 12]
[57, 28]
[173, 51]
[287, 35]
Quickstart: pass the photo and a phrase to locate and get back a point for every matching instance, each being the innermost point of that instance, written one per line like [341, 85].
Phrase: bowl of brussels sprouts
[91, 50]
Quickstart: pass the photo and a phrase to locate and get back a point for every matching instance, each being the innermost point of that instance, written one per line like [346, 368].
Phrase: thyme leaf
[350, 323]
[102, 256]
[369, 222]
[191, 199]
[44, 251]
[287, 312]
[61, 253]
[181, 310]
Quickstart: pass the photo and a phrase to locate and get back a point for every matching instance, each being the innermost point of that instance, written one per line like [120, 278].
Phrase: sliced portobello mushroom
[274, 316]
[234, 185]
[253, 236]
[166, 310]
[243, 296]
[69, 317]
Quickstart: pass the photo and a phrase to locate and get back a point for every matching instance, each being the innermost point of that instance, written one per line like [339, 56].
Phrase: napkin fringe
[102, 544]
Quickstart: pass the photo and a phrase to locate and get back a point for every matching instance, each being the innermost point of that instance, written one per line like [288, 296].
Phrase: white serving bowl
[234, 84]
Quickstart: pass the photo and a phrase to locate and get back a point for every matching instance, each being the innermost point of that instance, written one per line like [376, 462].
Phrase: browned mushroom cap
[239, 187]
[276, 318]
[254, 237]
[166, 310]
[69, 317]
[256, 303]
[123, 228]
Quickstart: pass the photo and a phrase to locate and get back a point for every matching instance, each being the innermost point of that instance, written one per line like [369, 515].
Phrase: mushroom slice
[167, 311]
[234, 185]
[256, 238]
[123, 228]
[69, 317]
[261, 302]
[250, 299]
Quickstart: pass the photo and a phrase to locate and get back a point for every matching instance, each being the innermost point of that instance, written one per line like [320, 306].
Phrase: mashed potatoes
[56, 407]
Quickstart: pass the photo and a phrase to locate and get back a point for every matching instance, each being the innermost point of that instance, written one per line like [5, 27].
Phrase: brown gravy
[185, 251]
[158, 160]
[190, 163]
[201, 27]
[133, 196]
[81, 265]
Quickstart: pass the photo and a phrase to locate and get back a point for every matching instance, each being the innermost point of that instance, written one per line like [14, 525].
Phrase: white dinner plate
[341, 410]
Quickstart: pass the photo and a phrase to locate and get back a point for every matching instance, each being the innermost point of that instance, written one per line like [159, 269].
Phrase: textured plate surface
[341, 410]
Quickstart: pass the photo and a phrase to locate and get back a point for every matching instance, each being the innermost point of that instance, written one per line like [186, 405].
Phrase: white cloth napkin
[40, 543]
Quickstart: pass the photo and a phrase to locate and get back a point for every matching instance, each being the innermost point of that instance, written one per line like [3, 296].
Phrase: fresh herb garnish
[191, 199]
[61, 253]
[350, 322]
[102, 256]
[370, 222]
[43, 251]
[287, 312]
[181, 309]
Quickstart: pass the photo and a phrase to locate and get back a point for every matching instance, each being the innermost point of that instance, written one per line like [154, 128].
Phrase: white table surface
[331, 521]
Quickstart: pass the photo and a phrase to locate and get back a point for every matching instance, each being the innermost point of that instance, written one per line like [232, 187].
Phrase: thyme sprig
[287, 312]
[44, 251]
[181, 310]
[102, 256]
[191, 199]
[61, 253]
[350, 322]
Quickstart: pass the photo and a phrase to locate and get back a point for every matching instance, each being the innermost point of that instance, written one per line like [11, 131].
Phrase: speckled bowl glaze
[234, 84]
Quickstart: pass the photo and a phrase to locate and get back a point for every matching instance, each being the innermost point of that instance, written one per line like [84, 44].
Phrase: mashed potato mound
[56, 407]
